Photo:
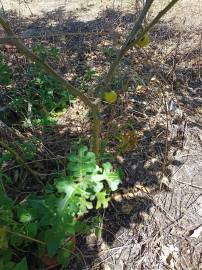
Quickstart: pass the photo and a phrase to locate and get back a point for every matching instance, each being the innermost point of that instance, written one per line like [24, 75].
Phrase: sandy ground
[85, 10]
[186, 13]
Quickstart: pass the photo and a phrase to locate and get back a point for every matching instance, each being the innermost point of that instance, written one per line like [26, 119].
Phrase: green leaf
[90, 156]
[5, 201]
[83, 163]
[73, 157]
[21, 265]
[6, 265]
[97, 181]
[85, 206]
[5, 74]
[80, 169]
[113, 178]
[15, 240]
[66, 187]
[67, 206]
[53, 239]
[102, 200]
[25, 217]
[97, 177]
[107, 167]
[70, 228]
[98, 187]
[82, 150]
[69, 190]
[32, 229]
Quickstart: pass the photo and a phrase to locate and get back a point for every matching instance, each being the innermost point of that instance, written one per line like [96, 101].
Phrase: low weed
[47, 223]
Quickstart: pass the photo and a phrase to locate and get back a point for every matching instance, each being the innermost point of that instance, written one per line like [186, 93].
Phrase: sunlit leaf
[102, 200]
[112, 178]
[25, 217]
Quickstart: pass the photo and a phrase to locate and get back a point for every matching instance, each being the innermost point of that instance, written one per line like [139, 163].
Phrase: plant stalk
[96, 127]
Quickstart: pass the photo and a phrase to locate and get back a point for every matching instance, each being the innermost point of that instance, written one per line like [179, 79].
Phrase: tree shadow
[143, 166]
[182, 67]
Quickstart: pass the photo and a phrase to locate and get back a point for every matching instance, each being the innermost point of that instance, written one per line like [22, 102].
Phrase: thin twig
[189, 184]
[20, 160]
[125, 47]
[166, 152]
[132, 39]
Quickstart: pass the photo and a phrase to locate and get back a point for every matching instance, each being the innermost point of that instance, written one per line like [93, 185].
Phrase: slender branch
[8, 133]
[97, 127]
[156, 19]
[21, 47]
[139, 22]
[27, 237]
[131, 36]
[131, 40]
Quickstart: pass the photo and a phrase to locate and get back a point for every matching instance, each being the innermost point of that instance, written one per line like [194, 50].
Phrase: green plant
[137, 33]
[90, 74]
[110, 97]
[49, 220]
[7, 222]
[40, 98]
[86, 183]
[46, 53]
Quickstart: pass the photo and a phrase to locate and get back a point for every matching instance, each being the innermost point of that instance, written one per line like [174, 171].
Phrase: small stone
[106, 267]
[91, 240]
[117, 197]
[104, 247]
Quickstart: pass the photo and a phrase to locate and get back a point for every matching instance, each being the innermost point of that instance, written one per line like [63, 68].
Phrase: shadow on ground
[83, 45]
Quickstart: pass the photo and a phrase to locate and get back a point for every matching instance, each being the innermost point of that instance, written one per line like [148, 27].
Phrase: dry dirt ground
[145, 227]
[188, 10]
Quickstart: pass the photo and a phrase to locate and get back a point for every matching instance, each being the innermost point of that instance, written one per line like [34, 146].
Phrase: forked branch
[135, 35]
